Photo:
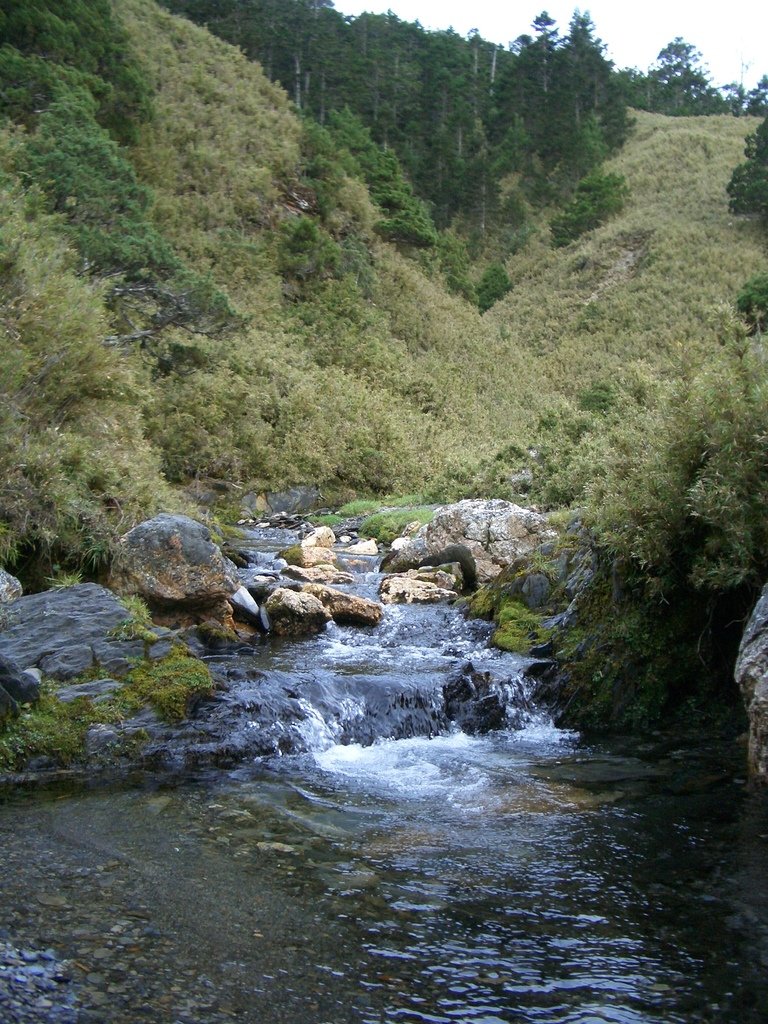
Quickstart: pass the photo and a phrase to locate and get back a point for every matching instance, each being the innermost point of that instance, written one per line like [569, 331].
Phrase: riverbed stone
[346, 609]
[318, 574]
[363, 547]
[295, 614]
[400, 588]
[320, 537]
[496, 533]
[752, 678]
[171, 561]
[307, 558]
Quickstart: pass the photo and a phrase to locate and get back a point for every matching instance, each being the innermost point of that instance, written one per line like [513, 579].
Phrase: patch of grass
[62, 580]
[327, 519]
[385, 526]
[138, 623]
[360, 506]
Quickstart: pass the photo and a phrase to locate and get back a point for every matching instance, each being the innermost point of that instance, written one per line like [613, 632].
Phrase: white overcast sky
[732, 38]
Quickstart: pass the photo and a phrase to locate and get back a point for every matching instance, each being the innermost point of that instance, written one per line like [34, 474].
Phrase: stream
[374, 863]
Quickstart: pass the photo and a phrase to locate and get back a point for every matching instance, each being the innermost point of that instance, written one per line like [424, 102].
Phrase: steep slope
[367, 376]
[643, 286]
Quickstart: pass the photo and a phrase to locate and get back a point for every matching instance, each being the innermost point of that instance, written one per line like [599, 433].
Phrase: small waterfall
[425, 671]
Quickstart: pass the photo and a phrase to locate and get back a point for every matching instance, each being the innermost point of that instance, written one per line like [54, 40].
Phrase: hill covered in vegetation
[198, 284]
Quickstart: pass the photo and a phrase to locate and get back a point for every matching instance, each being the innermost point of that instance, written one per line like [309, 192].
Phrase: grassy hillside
[345, 363]
[643, 286]
[369, 377]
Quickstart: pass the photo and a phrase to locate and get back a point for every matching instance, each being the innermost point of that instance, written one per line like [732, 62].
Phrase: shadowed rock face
[172, 562]
[752, 677]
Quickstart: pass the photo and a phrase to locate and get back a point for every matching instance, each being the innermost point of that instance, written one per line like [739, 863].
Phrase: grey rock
[172, 561]
[536, 590]
[98, 688]
[22, 686]
[55, 630]
[293, 614]
[161, 649]
[100, 739]
[496, 533]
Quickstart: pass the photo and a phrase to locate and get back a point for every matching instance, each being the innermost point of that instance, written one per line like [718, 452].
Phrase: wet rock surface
[752, 678]
[65, 632]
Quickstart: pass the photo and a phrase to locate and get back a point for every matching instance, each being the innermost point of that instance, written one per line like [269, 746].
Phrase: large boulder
[346, 609]
[293, 614]
[307, 557]
[10, 588]
[172, 563]
[752, 677]
[496, 533]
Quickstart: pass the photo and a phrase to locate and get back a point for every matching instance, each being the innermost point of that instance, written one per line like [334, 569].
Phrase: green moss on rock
[171, 684]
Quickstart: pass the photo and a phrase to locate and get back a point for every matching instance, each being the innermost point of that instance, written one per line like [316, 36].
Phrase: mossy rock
[519, 627]
[56, 731]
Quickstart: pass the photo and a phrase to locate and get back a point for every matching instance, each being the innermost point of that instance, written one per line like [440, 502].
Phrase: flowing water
[376, 864]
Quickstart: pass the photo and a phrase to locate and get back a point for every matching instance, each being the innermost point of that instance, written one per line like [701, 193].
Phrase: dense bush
[597, 197]
[75, 467]
[748, 187]
[493, 285]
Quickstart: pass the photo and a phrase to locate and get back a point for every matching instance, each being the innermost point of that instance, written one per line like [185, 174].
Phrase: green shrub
[598, 197]
[752, 302]
[493, 285]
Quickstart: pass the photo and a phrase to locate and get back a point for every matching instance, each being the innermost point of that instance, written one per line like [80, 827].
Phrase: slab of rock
[496, 533]
[400, 588]
[346, 609]
[295, 614]
[172, 562]
[96, 690]
[318, 574]
[752, 677]
[320, 537]
[10, 588]
[58, 629]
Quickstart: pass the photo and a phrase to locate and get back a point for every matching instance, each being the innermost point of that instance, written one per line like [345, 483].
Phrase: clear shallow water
[515, 878]
[522, 876]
